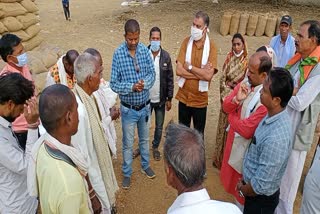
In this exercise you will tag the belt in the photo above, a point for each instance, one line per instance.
(137, 108)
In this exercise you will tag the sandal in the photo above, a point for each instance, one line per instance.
(156, 155)
(136, 153)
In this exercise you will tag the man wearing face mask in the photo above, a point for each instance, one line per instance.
(13, 53)
(196, 65)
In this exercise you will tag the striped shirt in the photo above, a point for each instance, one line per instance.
(267, 156)
(124, 73)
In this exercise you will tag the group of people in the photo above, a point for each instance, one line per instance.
(60, 151)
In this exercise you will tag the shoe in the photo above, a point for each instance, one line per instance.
(126, 182)
(156, 154)
(149, 173)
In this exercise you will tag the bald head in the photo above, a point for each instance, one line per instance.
(184, 152)
(262, 59)
(71, 56)
(55, 101)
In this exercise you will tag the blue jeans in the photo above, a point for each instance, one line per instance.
(159, 115)
(131, 119)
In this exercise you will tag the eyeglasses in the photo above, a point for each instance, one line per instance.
(135, 63)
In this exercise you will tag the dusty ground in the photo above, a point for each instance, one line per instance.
(99, 24)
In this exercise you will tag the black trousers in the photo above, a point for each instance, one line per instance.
(66, 11)
(198, 115)
(22, 139)
(261, 204)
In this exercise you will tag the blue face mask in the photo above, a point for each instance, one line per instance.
(22, 60)
(155, 46)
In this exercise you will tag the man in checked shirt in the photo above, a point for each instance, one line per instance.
(132, 75)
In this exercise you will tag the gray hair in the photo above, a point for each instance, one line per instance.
(93, 52)
(84, 66)
(204, 17)
(184, 151)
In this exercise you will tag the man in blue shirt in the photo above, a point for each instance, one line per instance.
(132, 76)
(267, 155)
(283, 44)
(66, 10)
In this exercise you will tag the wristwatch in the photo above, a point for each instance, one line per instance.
(189, 68)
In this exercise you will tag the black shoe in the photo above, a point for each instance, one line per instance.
(149, 173)
(126, 182)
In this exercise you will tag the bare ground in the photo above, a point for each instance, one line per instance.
(99, 24)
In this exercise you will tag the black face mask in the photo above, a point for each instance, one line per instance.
(9, 118)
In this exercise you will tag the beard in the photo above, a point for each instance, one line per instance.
(9, 118)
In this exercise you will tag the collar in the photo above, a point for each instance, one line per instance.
(138, 50)
(190, 198)
(257, 88)
(5, 123)
(274, 118)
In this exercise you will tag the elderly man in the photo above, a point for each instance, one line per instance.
(15, 95)
(57, 170)
(90, 138)
(268, 153)
(196, 65)
(185, 163)
(283, 44)
(303, 108)
(63, 72)
(13, 53)
(132, 76)
(244, 111)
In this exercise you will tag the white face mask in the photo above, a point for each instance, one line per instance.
(239, 54)
(196, 34)
(22, 60)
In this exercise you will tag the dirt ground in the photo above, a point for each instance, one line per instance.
(99, 24)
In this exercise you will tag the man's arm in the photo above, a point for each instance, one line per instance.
(247, 127)
(306, 94)
(151, 74)
(229, 105)
(170, 84)
(182, 72)
(116, 82)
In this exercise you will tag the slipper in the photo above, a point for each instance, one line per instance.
(156, 155)
(136, 153)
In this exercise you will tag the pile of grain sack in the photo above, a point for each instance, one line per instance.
(21, 17)
(250, 24)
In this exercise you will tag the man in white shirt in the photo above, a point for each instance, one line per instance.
(185, 163)
(283, 44)
(15, 99)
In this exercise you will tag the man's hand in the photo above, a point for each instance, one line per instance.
(114, 113)
(243, 92)
(138, 86)
(208, 66)
(31, 111)
(168, 105)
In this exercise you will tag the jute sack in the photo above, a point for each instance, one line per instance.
(3, 28)
(12, 9)
(35, 64)
(243, 23)
(270, 26)
(33, 30)
(22, 35)
(28, 20)
(278, 25)
(12, 24)
(32, 43)
(49, 59)
(30, 6)
(261, 25)
(45, 47)
(225, 23)
(252, 24)
(40, 81)
(1, 11)
(234, 25)
(10, 1)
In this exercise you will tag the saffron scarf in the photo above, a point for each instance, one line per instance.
(306, 65)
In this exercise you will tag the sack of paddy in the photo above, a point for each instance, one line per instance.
(33, 30)
(225, 23)
(35, 64)
(234, 25)
(30, 6)
(243, 23)
(22, 35)
(270, 26)
(28, 20)
(32, 43)
(278, 25)
(261, 25)
(12, 24)
(49, 59)
(12, 9)
(1, 11)
(45, 47)
(10, 1)
(40, 81)
(3, 28)
(252, 24)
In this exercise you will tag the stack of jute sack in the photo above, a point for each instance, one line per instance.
(21, 17)
(250, 23)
